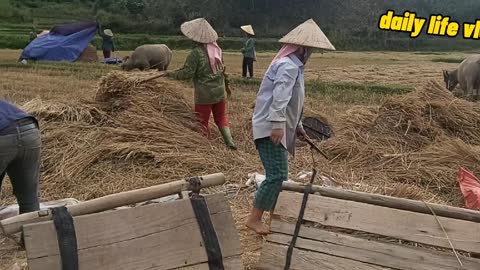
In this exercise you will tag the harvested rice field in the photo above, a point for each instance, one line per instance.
(397, 131)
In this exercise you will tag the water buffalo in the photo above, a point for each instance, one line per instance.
(149, 56)
(467, 76)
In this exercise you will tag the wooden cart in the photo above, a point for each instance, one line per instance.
(345, 230)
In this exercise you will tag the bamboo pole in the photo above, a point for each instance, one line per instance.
(14, 224)
(391, 202)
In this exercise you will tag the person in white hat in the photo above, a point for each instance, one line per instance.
(276, 121)
(108, 45)
(204, 65)
(248, 51)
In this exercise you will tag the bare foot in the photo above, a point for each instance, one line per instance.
(258, 227)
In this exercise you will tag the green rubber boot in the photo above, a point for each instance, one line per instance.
(227, 137)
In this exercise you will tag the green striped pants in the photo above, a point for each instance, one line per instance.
(275, 161)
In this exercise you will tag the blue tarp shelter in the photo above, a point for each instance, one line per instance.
(65, 42)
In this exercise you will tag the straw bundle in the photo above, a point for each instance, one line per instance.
(62, 112)
(89, 55)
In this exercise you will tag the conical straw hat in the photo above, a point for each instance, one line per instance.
(308, 34)
(248, 29)
(108, 32)
(199, 30)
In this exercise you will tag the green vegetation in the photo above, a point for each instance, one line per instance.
(82, 71)
(430, 53)
(341, 92)
(349, 24)
(448, 59)
(338, 92)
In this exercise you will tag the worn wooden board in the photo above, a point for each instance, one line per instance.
(388, 201)
(273, 257)
(229, 263)
(400, 224)
(368, 251)
(150, 237)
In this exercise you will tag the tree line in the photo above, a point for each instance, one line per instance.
(347, 22)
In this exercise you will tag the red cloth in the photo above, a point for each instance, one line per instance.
(219, 111)
(470, 187)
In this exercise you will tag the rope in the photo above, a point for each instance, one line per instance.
(209, 235)
(66, 237)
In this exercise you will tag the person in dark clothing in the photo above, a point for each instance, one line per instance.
(20, 144)
(108, 45)
(248, 51)
(33, 35)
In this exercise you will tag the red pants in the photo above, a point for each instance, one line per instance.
(219, 115)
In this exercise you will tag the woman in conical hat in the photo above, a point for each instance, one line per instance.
(276, 121)
(248, 51)
(108, 45)
(204, 65)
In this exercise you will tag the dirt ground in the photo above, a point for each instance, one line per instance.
(64, 82)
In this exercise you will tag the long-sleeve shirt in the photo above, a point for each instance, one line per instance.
(209, 87)
(249, 48)
(107, 41)
(279, 103)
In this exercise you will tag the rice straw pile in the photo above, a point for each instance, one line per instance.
(132, 135)
(419, 139)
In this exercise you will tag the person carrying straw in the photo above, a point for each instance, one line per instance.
(204, 65)
(276, 120)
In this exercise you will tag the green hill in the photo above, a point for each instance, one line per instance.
(349, 24)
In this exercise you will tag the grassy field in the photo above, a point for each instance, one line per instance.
(335, 83)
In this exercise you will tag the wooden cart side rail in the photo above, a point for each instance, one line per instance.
(391, 202)
(14, 224)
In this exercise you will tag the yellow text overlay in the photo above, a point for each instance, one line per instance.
(437, 25)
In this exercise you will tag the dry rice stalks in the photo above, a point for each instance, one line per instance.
(421, 139)
(151, 136)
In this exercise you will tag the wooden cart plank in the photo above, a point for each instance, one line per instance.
(232, 263)
(162, 236)
(122, 225)
(369, 251)
(274, 256)
(400, 224)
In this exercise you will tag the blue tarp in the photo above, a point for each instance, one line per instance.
(63, 43)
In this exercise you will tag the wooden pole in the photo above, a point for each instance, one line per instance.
(391, 202)
(163, 74)
(14, 224)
